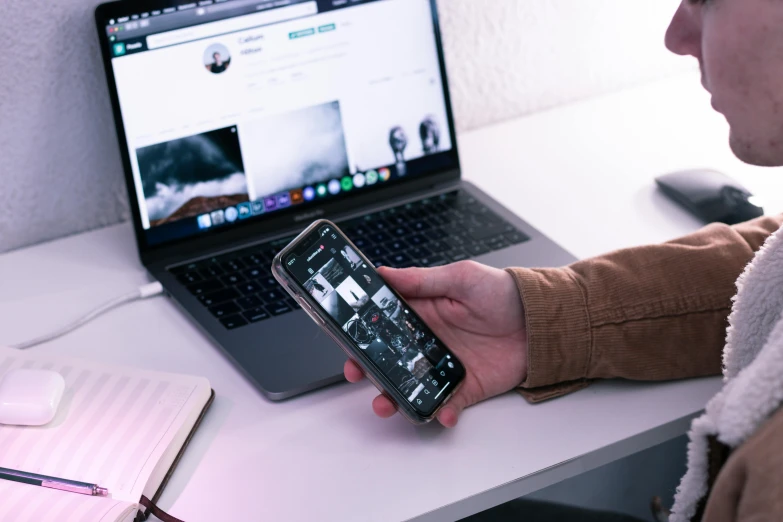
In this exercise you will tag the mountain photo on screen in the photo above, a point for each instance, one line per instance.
(193, 175)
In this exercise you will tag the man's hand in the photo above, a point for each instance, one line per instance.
(476, 311)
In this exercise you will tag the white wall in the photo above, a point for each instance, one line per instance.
(508, 58)
(59, 159)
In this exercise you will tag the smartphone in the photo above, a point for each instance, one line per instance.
(343, 293)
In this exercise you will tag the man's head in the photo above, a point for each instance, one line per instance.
(739, 45)
(218, 59)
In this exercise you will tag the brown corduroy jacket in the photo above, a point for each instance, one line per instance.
(655, 313)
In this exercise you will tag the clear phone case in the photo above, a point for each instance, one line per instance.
(321, 318)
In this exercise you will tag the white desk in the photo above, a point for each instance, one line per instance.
(583, 174)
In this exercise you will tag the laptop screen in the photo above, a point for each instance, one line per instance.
(233, 111)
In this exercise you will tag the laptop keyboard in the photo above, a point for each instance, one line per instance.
(239, 289)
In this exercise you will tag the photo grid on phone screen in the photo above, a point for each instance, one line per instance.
(356, 297)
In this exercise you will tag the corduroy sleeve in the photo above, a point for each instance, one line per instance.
(648, 313)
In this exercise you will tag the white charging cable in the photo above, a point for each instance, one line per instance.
(143, 292)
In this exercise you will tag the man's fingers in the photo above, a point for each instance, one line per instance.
(383, 407)
(449, 415)
(352, 372)
(425, 282)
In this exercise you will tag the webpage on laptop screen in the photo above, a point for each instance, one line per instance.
(240, 117)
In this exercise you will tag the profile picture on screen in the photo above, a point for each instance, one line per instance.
(217, 58)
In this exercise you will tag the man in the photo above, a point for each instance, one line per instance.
(657, 312)
(218, 65)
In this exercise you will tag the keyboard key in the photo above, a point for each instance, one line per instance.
(438, 246)
(360, 242)
(293, 304)
(457, 226)
(249, 302)
(381, 262)
(179, 270)
(254, 273)
(265, 257)
(234, 321)
(256, 314)
(436, 220)
(400, 231)
(398, 245)
(278, 308)
(268, 283)
(380, 237)
(417, 240)
(254, 260)
(436, 234)
(232, 279)
(376, 251)
(476, 249)
(270, 296)
(434, 261)
(454, 242)
(496, 243)
(419, 226)
(356, 231)
(419, 252)
(221, 296)
(191, 277)
(211, 270)
(224, 310)
(376, 224)
(438, 208)
(205, 287)
(414, 214)
(400, 259)
(516, 237)
(484, 232)
(465, 200)
(482, 211)
(235, 265)
(397, 219)
(248, 288)
(456, 255)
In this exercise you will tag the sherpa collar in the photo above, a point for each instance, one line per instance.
(753, 373)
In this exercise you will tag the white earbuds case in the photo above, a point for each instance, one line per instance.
(30, 397)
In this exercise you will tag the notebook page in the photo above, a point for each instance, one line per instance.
(24, 503)
(112, 427)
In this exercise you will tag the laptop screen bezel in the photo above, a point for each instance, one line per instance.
(290, 218)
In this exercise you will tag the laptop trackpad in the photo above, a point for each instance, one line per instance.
(287, 355)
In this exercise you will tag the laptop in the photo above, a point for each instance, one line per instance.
(242, 121)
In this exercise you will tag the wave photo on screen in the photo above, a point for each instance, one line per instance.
(192, 175)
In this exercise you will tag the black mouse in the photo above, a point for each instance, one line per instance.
(710, 195)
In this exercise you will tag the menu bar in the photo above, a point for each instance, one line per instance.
(136, 25)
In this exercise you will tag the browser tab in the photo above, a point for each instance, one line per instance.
(212, 29)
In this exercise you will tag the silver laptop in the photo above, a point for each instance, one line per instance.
(240, 122)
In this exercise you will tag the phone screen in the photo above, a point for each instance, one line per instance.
(389, 334)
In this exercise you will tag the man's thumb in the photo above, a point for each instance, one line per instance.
(421, 282)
